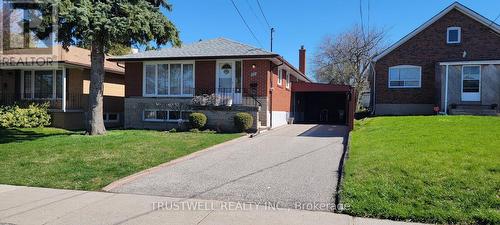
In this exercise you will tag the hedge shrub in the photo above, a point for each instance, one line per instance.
(35, 115)
(197, 120)
(243, 121)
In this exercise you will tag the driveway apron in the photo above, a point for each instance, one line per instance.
(294, 166)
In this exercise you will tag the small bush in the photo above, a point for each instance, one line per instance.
(208, 131)
(243, 121)
(194, 130)
(35, 115)
(197, 120)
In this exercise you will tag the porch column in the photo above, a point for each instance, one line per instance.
(446, 91)
(64, 90)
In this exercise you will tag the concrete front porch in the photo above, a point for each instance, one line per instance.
(469, 87)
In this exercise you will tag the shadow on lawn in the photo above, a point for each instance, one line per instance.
(8, 135)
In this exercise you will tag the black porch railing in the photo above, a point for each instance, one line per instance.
(235, 96)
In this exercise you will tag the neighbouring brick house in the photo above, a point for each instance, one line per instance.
(452, 62)
(160, 85)
(63, 82)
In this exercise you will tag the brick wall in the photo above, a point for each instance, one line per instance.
(133, 79)
(259, 75)
(282, 96)
(205, 76)
(429, 47)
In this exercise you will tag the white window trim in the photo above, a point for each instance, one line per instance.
(280, 76)
(156, 63)
(107, 120)
(168, 115)
(448, 35)
(287, 80)
(401, 67)
(54, 83)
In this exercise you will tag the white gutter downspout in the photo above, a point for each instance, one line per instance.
(446, 92)
(374, 85)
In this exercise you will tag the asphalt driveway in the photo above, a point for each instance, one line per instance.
(294, 166)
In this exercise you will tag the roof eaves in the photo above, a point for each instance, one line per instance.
(120, 59)
(107, 69)
(293, 68)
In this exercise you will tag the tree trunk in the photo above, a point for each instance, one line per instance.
(95, 123)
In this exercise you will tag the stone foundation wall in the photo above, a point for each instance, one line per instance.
(264, 111)
(218, 118)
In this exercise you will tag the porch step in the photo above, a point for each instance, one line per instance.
(473, 106)
(474, 111)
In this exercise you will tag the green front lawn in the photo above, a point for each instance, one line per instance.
(438, 169)
(49, 157)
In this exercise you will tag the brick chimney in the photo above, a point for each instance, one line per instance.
(302, 59)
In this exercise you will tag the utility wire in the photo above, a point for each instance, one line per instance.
(496, 18)
(361, 15)
(368, 24)
(256, 17)
(246, 24)
(493, 22)
(262, 12)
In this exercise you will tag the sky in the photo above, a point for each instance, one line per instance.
(306, 22)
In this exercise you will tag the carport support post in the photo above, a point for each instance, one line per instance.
(294, 105)
(352, 107)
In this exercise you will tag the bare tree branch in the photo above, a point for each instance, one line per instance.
(345, 58)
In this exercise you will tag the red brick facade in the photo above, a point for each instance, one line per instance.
(254, 72)
(258, 75)
(133, 79)
(205, 76)
(282, 96)
(428, 48)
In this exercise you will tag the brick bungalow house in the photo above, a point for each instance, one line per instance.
(160, 86)
(452, 62)
(63, 81)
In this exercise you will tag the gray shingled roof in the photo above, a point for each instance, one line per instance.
(218, 47)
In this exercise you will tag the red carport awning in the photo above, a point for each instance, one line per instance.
(319, 87)
(350, 95)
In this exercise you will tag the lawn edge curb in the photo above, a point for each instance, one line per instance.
(132, 177)
(340, 172)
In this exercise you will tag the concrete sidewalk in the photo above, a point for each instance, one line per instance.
(30, 205)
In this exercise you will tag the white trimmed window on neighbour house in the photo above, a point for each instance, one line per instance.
(111, 117)
(405, 76)
(168, 79)
(41, 84)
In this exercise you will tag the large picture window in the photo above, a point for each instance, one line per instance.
(41, 84)
(405, 76)
(168, 79)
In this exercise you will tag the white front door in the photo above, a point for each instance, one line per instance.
(471, 83)
(226, 79)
